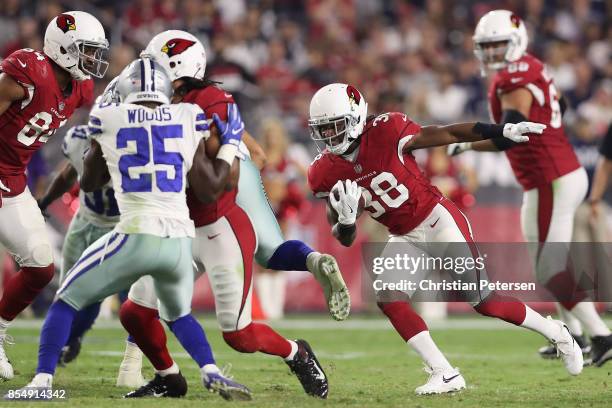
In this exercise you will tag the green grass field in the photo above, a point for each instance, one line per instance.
(367, 364)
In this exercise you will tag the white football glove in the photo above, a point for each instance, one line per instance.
(516, 131)
(347, 202)
(458, 148)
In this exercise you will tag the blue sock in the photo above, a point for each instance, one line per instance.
(191, 336)
(290, 256)
(131, 339)
(83, 321)
(54, 334)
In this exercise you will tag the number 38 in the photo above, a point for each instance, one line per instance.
(383, 185)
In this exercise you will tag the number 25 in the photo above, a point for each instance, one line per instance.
(144, 181)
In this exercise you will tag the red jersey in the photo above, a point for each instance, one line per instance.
(545, 157)
(29, 123)
(212, 100)
(397, 193)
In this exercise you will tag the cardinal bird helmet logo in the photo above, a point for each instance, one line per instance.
(66, 22)
(516, 21)
(353, 95)
(176, 46)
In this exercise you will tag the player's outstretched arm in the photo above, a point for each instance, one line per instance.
(431, 136)
(61, 183)
(515, 109)
(95, 171)
(10, 91)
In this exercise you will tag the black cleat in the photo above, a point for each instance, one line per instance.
(601, 349)
(550, 351)
(308, 370)
(171, 385)
(70, 351)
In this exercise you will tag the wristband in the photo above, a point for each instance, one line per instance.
(345, 227)
(227, 153)
(488, 130)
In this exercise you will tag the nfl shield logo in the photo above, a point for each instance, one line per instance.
(358, 168)
(61, 106)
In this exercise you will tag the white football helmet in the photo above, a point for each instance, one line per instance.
(143, 80)
(180, 53)
(75, 41)
(337, 116)
(499, 26)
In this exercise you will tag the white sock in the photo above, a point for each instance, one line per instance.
(425, 347)
(4, 324)
(538, 323)
(570, 320)
(42, 380)
(173, 369)
(132, 355)
(311, 259)
(588, 316)
(294, 350)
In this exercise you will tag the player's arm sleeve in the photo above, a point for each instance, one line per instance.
(202, 125)
(317, 180)
(95, 123)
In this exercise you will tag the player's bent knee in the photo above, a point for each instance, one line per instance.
(42, 255)
(244, 341)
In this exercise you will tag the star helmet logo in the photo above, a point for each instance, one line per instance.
(354, 96)
(515, 20)
(176, 46)
(65, 22)
(358, 168)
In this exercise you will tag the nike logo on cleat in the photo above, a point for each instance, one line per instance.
(213, 236)
(447, 380)
(21, 63)
(434, 224)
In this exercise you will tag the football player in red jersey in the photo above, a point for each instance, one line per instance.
(372, 159)
(226, 240)
(547, 168)
(39, 91)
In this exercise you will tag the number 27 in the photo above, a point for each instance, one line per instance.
(144, 181)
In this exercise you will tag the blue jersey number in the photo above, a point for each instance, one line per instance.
(143, 183)
(95, 202)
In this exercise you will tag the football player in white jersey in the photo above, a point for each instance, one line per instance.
(149, 149)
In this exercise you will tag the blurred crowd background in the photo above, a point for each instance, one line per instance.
(411, 56)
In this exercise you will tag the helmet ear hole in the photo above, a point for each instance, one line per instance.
(63, 50)
(172, 64)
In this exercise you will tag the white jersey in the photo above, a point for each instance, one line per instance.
(148, 153)
(98, 207)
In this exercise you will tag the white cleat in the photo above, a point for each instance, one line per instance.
(326, 271)
(567, 348)
(40, 388)
(6, 369)
(441, 381)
